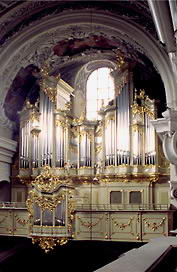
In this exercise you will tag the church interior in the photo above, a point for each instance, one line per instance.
(88, 134)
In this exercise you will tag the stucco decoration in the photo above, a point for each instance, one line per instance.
(166, 128)
(36, 44)
(43, 47)
(24, 14)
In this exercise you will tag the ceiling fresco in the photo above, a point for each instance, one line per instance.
(77, 45)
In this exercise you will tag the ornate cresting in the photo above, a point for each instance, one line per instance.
(50, 210)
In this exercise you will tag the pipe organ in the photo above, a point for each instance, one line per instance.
(71, 161)
(127, 136)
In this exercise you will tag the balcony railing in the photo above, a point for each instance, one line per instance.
(121, 207)
(96, 207)
(13, 205)
(50, 231)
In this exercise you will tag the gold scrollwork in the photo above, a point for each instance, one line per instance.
(122, 226)
(88, 224)
(49, 201)
(21, 221)
(35, 132)
(137, 128)
(129, 178)
(48, 243)
(153, 225)
(46, 181)
(44, 202)
(59, 123)
(150, 113)
(136, 109)
(99, 131)
(49, 89)
(98, 148)
(34, 116)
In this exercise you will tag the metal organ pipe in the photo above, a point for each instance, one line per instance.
(115, 129)
(149, 141)
(123, 123)
(85, 149)
(22, 148)
(57, 145)
(35, 150)
(60, 142)
(46, 109)
(27, 144)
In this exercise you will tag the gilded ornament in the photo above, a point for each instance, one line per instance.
(49, 83)
(34, 115)
(98, 148)
(28, 105)
(46, 181)
(43, 201)
(48, 243)
(59, 123)
(122, 226)
(138, 128)
(21, 221)
(153, 225)
(138, 237)
(89, 224)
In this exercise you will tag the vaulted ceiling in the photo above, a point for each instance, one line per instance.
(69, 34)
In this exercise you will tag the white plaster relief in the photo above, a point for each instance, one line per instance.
(25, 48)
(166, 128)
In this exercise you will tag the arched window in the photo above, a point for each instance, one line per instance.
(100, 90)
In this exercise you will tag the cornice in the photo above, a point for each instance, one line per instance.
(7, 149)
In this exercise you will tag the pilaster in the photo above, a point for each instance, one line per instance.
(166, 129)
(7, 150)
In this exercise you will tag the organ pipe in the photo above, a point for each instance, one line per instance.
(123, 125)
(126, 136)
(46, 136)
(60, 143)
(25, 145)
(85, 149)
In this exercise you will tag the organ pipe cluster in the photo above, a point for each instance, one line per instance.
(49, 135)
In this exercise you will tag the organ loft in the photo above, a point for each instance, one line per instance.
(90, 164)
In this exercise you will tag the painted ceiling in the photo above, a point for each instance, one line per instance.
(67, 54)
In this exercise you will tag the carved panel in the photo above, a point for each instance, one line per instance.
(124, 226)
(14, 222)
(21, 223)
(91, 226)
(6, 222)
(154, 225)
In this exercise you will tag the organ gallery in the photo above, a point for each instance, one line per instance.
(88, 132)
(92, 170)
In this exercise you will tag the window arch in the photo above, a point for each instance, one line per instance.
(100, 90)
